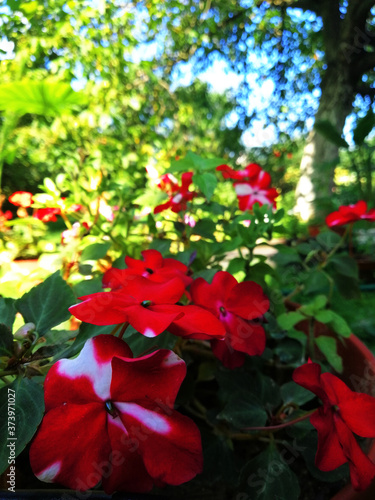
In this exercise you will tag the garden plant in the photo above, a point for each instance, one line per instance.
(162, 351)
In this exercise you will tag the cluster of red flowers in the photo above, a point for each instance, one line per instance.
(147, 293)
(252, 186)
(350, 213)
(136, 438)
(24, 199)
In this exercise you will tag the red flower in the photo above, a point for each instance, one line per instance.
(47, 214)
(168, 183)
(350, 213)
(118, 412)
(7, 215)
(179, 197)
(254, 186)
(236, 305)
(152, 266)
(21, 199)
(343, 412)
(150, 308)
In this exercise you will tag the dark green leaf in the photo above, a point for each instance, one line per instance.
(28, 410)
(329, 131)
(268, 477)
(328, 240)
(205, 228)
(363, 127)
(7, 311)
(241, 412)
(344, 265)
(316, 282)
(294, 393)
(6, 340)
(47, 304)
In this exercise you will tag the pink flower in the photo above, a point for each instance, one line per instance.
(236, 305)
(350, 213)
(178, 197)
(118, 413)
(152, 266)
(254, 186)
(343, 412)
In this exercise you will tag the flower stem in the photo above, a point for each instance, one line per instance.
(282, 426)
(123, 329)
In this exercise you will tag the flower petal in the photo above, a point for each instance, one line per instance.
(358, 413)
(247, 300)
(308, 375)
(329, 455)
(124, 470)
(156, 377)
(244, 336)
(52, 456)
(103, 308)
(169, 443)
(87, 377)
(197, 323)
(362, 470)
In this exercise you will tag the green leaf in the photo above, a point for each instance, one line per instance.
(205, 228)
(46, 305)
(241, 412)
(363, 127)
(328, 240)
(28, 409)
(206, 182)
(329, 131)
(194, 162)
(294, 393)
(312, 308)
(45, 97)
(268, 477)
(345, 265)
(7, 311)
(6, 340)
(288, 320)
(316, 282)
(95, 251)
(328, 347)
(139, 344)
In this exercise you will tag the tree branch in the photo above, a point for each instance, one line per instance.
(358, 11)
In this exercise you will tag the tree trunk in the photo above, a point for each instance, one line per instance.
(320, 156)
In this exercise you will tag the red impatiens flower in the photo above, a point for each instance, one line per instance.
(150, 308)
(254, 186)
(236, 305)
(47, 214)
(350, 213)
(152, 266)
(343, 412)
(22, 199)
(179, 197)
(118, 412)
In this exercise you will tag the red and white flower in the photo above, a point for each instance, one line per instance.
(236, 305)
(111, 418)
(180, 195)
(350, 213)
(254, 186)
(22, 199)
(343, 413)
